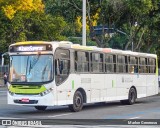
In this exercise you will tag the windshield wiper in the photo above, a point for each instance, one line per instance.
(33, 63)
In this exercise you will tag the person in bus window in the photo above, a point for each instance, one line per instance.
(135, 69)
(132, 69)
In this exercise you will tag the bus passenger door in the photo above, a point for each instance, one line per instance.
(62, 69)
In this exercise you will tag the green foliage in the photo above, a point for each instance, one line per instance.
(4, 29)
(78, 40)
(139, 20)
(46, 27)
(118, 41)
(30, 25)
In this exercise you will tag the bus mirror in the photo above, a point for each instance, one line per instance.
(4, 54)
(2, 61)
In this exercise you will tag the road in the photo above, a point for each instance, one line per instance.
(145, 108)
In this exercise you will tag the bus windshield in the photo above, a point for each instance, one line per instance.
(31, 68)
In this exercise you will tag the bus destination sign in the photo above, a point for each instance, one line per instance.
(30, 48)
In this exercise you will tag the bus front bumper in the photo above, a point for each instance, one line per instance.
(31, 100)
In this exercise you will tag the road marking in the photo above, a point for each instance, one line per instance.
(121, 106)
(134, 117)
(129, 105)
(10, 118)
(60, 115)
(138, 104)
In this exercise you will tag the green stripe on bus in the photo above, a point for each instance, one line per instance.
(29, 89)
(113, 83)
(156, 66)
(72, 84)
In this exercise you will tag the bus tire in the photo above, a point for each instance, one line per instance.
(131, 97)
(41, 108)
(77, 102)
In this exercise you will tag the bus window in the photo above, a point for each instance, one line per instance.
(96, 62)
(81, 61)
(101, 63)
(109, 63)
(121, 64)
(152, 65)
(146, 66)
(133, 64)
(115, 62)
(142, 65)
(126, 64)
(62, 65)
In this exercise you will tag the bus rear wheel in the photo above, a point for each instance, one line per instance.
(131, 97)
(77, 102)
(41, 108)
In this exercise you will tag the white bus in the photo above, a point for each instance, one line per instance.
(61, 73)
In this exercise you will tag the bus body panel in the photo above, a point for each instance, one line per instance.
(110, 91)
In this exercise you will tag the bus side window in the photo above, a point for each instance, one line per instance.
(133, 64)
(81, 61)
(152, 65)
(126, 64)
(115, 62)
(135, 69)
(62, 65)
(59, 67)
(108, 63)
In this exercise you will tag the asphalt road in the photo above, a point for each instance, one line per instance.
(145, 108)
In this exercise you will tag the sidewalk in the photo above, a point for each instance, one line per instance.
(2, 84)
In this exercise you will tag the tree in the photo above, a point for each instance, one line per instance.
(23, 20)
(4, 29)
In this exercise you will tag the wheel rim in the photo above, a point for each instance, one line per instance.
(132, 97)
(78, 102)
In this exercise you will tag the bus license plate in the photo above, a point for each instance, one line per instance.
(24, 100)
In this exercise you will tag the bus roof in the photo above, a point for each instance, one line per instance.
(29, 42)
(68, 44)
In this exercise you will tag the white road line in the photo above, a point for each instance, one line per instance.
(60, 115)
(121, 106)
(129, 105)
(134, 117)
(10, 118)
(138, 104)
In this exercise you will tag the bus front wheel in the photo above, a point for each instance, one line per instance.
(77, 102)
(41, 108)
(131, 97)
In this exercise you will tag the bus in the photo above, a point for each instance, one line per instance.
(43, 74)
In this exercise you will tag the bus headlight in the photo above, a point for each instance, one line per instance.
(11, 93)
(46, 92)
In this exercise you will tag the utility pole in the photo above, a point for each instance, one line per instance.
(84, 23)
